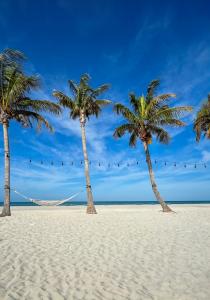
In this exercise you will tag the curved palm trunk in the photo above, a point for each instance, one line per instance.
(164, 206)
(90, 204)
(6, 208)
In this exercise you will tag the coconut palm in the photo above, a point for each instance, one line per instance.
(202, 121)
(82, 105)
(147, 118)
(15, 104)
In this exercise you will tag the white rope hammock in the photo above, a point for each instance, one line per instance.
(46, 202)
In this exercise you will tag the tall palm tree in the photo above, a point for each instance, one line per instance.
(15, 104)
(202, 121)
(82, 105)
(147, 118)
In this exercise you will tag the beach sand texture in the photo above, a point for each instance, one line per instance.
(123, 252)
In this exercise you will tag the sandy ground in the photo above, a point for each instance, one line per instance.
(122, 253)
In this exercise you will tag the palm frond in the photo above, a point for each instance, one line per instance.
(101, 89)
(164, 97)
(202, 121)
(12, 58)
(152, 88)
(13, 54)
(85, 77)
(40, 105)
(133, 139)
(171, 122)
(64, 100)
(102, 102)
(26, 118)
(134, 102)
(125, 112)
(16, 85)
(160, 100)
(197, 128)
(75, 113)
(84, 80)
(172, 112)
(73, 87)
(121, 130)
(92, 108)
(161, 135)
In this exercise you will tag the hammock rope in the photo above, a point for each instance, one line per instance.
(46, 202)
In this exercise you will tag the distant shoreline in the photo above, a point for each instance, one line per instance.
(109, 203)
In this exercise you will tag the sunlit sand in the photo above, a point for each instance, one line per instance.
(123, 252)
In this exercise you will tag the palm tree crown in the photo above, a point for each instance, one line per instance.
(84, 98)
(148, 116)
(15, 102)
(202, 122)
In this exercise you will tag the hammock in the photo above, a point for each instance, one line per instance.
(46, 202)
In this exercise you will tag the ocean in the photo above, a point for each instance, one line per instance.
(83, 203)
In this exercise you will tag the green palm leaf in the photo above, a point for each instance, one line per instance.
(64, 100)
(121, 130)
(15, 101)
(85, 98)
(202, 121)
(152, 88)
(125, 112)
(149, 115)
(26, 118)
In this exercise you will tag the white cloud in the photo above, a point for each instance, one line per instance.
(206, 156)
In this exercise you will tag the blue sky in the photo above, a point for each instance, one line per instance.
(126, 44)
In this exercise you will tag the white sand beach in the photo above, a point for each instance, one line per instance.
(123, 252)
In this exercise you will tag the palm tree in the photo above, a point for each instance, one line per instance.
(202, 121)
(84, 104)
(15, 104)
(147, 118)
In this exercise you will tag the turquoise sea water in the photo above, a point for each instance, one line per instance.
(76, 203)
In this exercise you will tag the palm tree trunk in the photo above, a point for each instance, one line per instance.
(90, 204)
(164, 206)
(6, 208)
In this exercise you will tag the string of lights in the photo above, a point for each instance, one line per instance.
(127, 163)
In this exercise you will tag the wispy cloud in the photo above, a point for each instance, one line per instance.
(185, 72)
